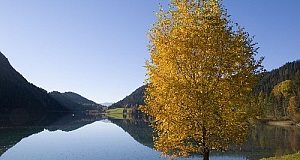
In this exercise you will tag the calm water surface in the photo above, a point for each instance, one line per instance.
(125, 140)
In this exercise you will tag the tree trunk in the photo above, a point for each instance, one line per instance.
(205, 150)
(206, 154)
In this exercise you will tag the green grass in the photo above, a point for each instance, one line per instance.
(295, 156)
(117, 113)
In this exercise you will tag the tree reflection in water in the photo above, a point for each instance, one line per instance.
(264, 140)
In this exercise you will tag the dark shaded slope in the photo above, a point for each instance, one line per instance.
(65, 101)
(75, 102)
(78, 98)
(135, 99)
(22, 103)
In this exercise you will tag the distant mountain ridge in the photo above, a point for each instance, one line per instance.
(107, 104)
(75, 102)
(79, 99)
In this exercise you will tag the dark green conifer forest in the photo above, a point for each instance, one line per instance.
(278, 92)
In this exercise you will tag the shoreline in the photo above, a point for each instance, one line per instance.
(286, 123)
(279, 122)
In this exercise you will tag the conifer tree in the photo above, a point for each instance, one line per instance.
(201, 72)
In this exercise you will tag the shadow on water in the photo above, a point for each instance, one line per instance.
(65, 122)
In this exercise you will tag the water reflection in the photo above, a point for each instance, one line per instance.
(99, 140)
(138, 129)
(264, 140)
(10, 135)
(267, 141)
(92, 137)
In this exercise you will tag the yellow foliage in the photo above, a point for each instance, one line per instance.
(283, 88)
(200, 77)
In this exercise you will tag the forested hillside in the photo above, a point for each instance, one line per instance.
(268, 80)
(22, 102)
(135, 99)
(79, 99)
(75, 102)
(278, 92)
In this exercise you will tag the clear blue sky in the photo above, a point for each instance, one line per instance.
(97, 48)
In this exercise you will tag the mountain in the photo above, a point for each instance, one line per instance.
(135, 99)
(278, 92)
(268, 80)
(21, 102)
(79, 99)
(107, 104)
(75, 102)
(266, 83)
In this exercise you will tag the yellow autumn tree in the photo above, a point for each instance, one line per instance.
(282, 92)
(201, 72)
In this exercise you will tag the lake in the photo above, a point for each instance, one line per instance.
(95, 138)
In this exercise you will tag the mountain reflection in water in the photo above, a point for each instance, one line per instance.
(96, 137)
(11, 135)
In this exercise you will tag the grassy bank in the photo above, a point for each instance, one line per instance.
(117, 113)
(295, 156)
